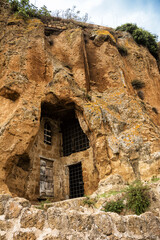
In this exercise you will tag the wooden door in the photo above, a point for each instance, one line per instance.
(46, 178)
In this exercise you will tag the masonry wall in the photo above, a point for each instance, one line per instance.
(54, 153)
(71, 220)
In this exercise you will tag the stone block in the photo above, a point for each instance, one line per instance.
(57, 219)
(80, 222)
(24, 236)
(136, 226)
(153, 224)
(112, 237)
(23, 202)
(102, 223)
(1, 208)
(51, 238)
(3, 200)
(3, 237)
(4, 197)
(13, 210)
(33, 218)
(5, 225)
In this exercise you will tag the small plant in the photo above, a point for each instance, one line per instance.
(122, 50)
(155, 110)
(88, 201)
(137, 84)
(41, 204)
(140, 95)
(137, 197)
(103, 195)
(155, 179)
(114, 206)
(114, 192)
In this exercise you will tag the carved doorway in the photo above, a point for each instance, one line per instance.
(46, 178)
(76, 181)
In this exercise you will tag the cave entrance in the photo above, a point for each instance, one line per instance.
(46, 178)
(76, 180)
(60, 136)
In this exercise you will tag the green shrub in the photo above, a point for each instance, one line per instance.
(137, 84)
(137, 197)
(24, 9)
(142, 37)
(155, 179)
(128, 27)
(114, 206)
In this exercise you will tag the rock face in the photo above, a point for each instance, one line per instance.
(61, 73)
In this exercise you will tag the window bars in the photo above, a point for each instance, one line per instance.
(47, 133)
(74, 139)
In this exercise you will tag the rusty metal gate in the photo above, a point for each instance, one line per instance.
(76, 181)
(46, 178)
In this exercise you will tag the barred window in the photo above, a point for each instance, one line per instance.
(47, 133)
(74, 139)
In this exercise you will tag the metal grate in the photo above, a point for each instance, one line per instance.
(76, 181)
(74, 139)
(47, 134)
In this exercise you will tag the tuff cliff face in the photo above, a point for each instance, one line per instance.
(66, 66)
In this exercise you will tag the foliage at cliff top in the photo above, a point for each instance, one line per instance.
(142, 37)
(24, 9)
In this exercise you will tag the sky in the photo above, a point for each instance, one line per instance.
(113, 13)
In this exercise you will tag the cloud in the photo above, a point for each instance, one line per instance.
(120, 12)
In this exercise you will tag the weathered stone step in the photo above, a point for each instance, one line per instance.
(74, 203)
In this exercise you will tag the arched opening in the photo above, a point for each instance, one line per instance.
(62, 126)
(58, 157)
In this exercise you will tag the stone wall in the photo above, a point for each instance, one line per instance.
(71, 220)
(79, 65)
